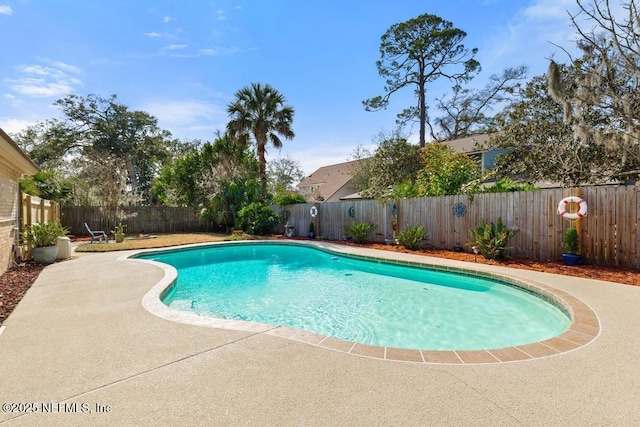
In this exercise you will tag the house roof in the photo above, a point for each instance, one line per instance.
(10, 151)
(328, 180)
(468, 144)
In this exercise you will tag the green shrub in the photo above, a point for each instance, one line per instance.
(412, 237)
(492, 239)
(257, 218)
(570, 244)
(44, 234)
(506, 185)
(287, 198)
(358, 231)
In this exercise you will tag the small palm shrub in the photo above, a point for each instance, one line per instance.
(358, 231)
(492, 239)
(570, 244)
(412, 237)
(257, 218)
(44, 234)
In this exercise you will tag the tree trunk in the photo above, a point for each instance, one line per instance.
(262, 166)
(422, 106)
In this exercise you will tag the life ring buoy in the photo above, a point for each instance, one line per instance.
(562, 208)
(313, 211)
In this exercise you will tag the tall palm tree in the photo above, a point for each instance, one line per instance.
(259, 112)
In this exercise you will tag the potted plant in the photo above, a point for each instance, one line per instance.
(118, 233)
(42, 237)
(571, 247)
(312, 231)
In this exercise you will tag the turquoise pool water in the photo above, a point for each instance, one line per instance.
(356, 300)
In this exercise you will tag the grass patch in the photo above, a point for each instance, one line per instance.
(158, 241)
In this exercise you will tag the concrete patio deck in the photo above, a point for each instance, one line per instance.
(82, 347)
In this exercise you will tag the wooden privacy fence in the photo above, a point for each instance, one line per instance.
(608, 234)
(147, 219)
(37, 210)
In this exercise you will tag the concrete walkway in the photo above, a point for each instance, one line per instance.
(80, 349)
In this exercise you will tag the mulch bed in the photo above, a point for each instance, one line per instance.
(627, 276)
(14, 283)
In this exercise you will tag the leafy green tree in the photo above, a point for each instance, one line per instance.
(604, 82)
(95, 131)
(540, 145)
(218, 180)
(257, 218)
(288, 198)
(259, 113)
(417, 52)
(283, 174)
(395, 160)
(48, 184)
(508, 185)
(228, 196)
(445, 171)
(176, 184)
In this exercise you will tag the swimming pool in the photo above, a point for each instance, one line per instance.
(357, 300)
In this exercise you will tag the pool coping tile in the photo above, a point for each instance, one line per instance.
(441, 357)
(367, 350)
(337, 344)
(509, 354)
(476, 356)
(403, 355)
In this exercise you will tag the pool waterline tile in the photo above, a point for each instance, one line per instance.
(585, 326)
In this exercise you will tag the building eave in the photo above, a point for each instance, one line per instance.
(10, 150)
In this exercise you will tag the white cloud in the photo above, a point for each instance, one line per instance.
(187, 118)
(530, 37)
(549, 9)
(10, 125)
(176, 46)
(104, 61)
(45, 81)
(167, 19)
(208, 52)
(5, 9)
(220, 16)
(40, 88)
(311, 159)
(153, 34)
(68, 68)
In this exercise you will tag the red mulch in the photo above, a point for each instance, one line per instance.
(623, 275)
(627, 276)
(14, 283)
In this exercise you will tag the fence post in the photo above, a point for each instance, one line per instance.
(579, 226)
(26, 209)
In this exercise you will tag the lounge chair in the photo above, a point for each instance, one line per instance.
(97, 235)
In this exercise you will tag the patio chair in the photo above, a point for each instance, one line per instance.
(98, 235)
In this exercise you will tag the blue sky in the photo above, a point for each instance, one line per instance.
(182, 61)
